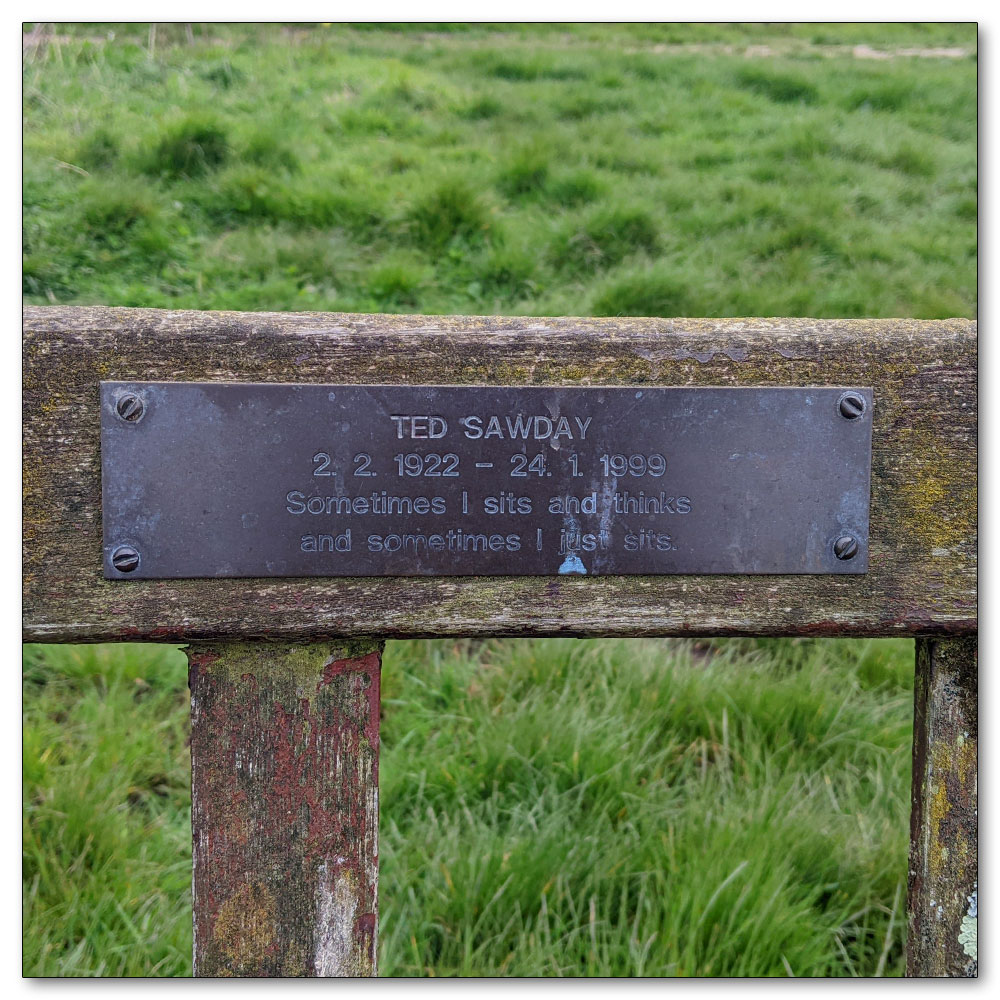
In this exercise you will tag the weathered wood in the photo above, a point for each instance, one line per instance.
(942, 902)
(284, 808)
(922, 579)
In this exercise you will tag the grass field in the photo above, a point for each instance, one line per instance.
(548, 807)
(606, 171)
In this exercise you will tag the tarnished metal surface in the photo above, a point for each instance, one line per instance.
(244, 480)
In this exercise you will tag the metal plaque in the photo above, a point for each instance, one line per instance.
(254, 480)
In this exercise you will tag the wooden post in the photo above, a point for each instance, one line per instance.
(942, 900)
(284, 764)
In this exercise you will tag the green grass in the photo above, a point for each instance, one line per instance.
(106, 812)
(709, 170)
(549, 807)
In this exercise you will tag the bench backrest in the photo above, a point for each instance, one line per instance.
(923, 542)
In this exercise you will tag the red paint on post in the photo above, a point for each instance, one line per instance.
(284, 748)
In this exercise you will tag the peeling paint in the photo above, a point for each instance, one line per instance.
(336, 906)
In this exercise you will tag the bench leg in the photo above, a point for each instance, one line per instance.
(942, 902)
(284, 808)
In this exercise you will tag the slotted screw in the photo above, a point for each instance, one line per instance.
(130, 407)
(852, 405)
(125, 559)
(845, 547)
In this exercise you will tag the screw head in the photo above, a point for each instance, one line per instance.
(851, 405)
(125, 559)
(130, 407)
(845, 547)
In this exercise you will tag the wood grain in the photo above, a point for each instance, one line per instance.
(942, 900)
(922, 579)
(284, 808)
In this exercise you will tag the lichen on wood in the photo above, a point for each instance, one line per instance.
(943, 872)
(284, 755)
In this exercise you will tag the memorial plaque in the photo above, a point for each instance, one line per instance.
(255, 480)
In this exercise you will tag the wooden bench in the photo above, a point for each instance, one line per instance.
(285, 672)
